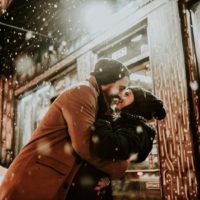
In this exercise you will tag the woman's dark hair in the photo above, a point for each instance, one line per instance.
(145, 104)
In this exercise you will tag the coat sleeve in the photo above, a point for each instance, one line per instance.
(121, 141)
(79, 108)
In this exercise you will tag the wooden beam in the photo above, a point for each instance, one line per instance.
(47, 74)
(1, 112)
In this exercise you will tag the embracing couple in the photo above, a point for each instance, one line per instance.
(79, 147)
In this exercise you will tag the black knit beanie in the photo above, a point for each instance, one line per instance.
(109, 71)
(145, 104)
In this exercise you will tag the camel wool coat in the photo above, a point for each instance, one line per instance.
(46, 166)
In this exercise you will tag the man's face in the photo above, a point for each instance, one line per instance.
(114, 89)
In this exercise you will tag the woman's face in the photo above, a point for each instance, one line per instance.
(126, 97)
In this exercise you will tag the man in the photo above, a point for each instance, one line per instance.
(46, 166)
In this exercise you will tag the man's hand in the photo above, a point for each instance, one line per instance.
(103, 182)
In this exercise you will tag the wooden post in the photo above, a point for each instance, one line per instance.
(177, 167)
(7, 119)
(1, 111)
(192, 75)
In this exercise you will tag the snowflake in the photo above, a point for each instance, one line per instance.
(51, 48)
(29, 35)
(93, 128)
(139, 129)
(95, 139)
(194, 85)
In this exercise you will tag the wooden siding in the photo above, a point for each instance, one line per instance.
(7, 119)
(178, 175)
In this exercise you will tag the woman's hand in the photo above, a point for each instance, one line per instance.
(103, 182)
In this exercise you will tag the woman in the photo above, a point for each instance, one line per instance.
(127, 134)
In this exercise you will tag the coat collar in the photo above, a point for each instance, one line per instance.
(94, 83)
(103, 105)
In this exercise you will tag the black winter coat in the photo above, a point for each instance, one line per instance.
(119, 139)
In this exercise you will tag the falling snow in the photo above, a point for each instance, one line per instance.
(93, 128)
(51, 48)
(95, 139)
(24, 63)
(194, 85)
(63, 43)
(139, 129)
(29, 35)
(49, 34)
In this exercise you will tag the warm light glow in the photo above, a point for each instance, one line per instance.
(97, 16)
